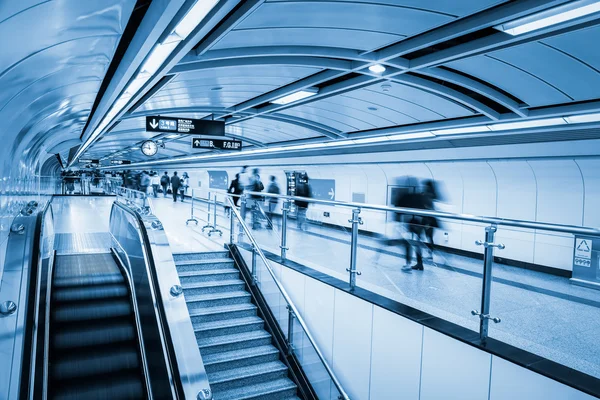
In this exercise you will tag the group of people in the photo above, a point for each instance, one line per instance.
(165, 184)
(245, 181)
(415, 232)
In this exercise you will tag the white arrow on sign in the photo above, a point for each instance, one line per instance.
(331, 194)
(197, 143)
(153, 124)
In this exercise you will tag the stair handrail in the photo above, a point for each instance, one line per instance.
(288, 300)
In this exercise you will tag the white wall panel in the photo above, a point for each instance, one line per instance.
(560, 201)
(511, 382)
(590, 169)
(517, 198)
(453, 370)
(479, 198)
(396, 357)
(318, 313)
(352, 344)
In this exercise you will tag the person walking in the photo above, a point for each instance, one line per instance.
(255, 186)
(235, 188)
(155, 181)
(185, 184)
(244, 182)
(144, 182)
(272, 189)
(175, 185)
(414, 228)
(165, 181)
(302, 190)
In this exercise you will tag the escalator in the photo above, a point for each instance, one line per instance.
(94, 345)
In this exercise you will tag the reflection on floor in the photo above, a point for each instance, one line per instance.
(541, 313)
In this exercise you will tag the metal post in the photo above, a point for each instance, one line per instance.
(488, 262)
(254, 277)
(208, 205)
(284, 217)
(355, 221)
(231, 226)
(291, 318)
(215, 212)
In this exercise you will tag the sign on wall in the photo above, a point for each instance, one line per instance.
(586, 261)
(120, 162)
(323, 189)
(218, 180)
(185, 125)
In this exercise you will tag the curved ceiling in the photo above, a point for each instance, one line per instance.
(446, 67)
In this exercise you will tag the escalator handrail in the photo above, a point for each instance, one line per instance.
(289, 301)
(173, 355)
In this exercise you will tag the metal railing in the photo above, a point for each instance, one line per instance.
(135, 198)
(294, 313)
(488, 243)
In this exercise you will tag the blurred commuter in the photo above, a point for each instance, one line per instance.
(185, 184)
(244, 182)
(155, 181)
(256, 185)
(302, 190)
(175, 185)
(144, 182)
(414, 227)
(272, 189)
(236, 188)
(165, 181)
(430, 195)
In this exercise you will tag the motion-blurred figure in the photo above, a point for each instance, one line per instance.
(144, 182)
(255, 186)
(175, 185)
(430, 195)
(185, 184)
(236, 188)
(272, 189)
(244, 183)
(155, 181)
(165, 181)
(302, 190)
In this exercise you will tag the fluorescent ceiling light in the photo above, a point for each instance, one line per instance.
(191, 20)
(172, 136)
(371, 140)
(158, 56)
(377, 69)
(550, 17)
(134, 148)
(580, 119)
(407, 136)
(299, 95)
(456, 131)
(527, 124)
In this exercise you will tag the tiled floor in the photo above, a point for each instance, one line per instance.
(541, 313)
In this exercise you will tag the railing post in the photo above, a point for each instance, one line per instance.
(215, 211)
(355, 221)
(231, 226)
(208, 205)
(284, 217)
(254, 277)
(488, 262)
(291, 318)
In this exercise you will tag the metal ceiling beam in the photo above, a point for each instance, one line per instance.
(476, 86)
(314, 126)
(297, 61)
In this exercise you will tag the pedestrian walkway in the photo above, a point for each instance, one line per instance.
(541, 313)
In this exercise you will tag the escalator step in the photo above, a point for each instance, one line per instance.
(90, 336)
(117, 359)
(87, 280)
(123, 387)
(81, 312)
(85, 294)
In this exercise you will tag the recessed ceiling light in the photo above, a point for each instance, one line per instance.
(299, 95)
(377, 69)
(373, 108)
(217, 88)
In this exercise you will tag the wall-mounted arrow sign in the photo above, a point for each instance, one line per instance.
(120, 162)
(201, 143)
(185, 125)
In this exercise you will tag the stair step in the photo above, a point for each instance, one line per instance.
(81, 312)
(278, 389)
(209, 314)
(97, 362)
(237, 341)
(85, 294)
(216, 299)
(87, 336)
(121, 387)
(240, 358)
(87, 280)
(204, 265)
(198, 288)
(253, 374)
(209, 275)
(200, 256)
(228, 327)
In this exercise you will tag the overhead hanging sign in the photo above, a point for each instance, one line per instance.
(221, 144)
(89, 161)
(185, 126)
(120, 162)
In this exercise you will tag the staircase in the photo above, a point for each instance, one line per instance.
(241, 362)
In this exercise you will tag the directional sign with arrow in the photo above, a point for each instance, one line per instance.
(185, 126)
(323, 189)
(201, 143)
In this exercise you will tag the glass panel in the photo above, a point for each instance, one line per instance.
(541, 309)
